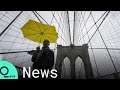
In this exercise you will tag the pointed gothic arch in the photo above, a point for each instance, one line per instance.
(73, 52)
(66, 69)
(79, 68)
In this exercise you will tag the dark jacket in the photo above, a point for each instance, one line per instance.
(34, 57)
(45, 60)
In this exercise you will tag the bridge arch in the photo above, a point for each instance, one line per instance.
(66, 69)
(79, 68)
(73, 52)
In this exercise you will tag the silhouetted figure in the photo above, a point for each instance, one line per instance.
(34, 57)
(33, 51)
(45, 58)
(34, 54)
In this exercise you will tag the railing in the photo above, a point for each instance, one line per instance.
(19, 52)
(13, 52)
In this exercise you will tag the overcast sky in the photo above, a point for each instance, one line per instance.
(13, 40)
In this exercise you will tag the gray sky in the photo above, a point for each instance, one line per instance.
(13, 40)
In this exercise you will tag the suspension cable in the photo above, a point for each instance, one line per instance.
(69, 27)
(41, 16)
(105, 43)
(36, 16)
(11, 23)
(98, 26)
(58, 23)
(94, 24)
(91, 45)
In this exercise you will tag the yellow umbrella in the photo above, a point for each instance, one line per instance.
(38, 32)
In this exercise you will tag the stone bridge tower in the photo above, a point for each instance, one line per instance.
(72, 52)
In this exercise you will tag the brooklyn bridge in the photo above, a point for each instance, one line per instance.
(88, 46)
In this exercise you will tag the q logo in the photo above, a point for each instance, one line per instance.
(7, 70)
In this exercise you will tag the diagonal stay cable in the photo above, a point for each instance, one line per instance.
(76, 30)
(81, 26)
(65, 21)
(36, 16)
(94, 24)
(41, 16)
(106, 45)
(10, 23)
(62, 21)
(98, 26)
(91, 45)
(86, 19)
(49, 27)
(64, 27)
(59, 25)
